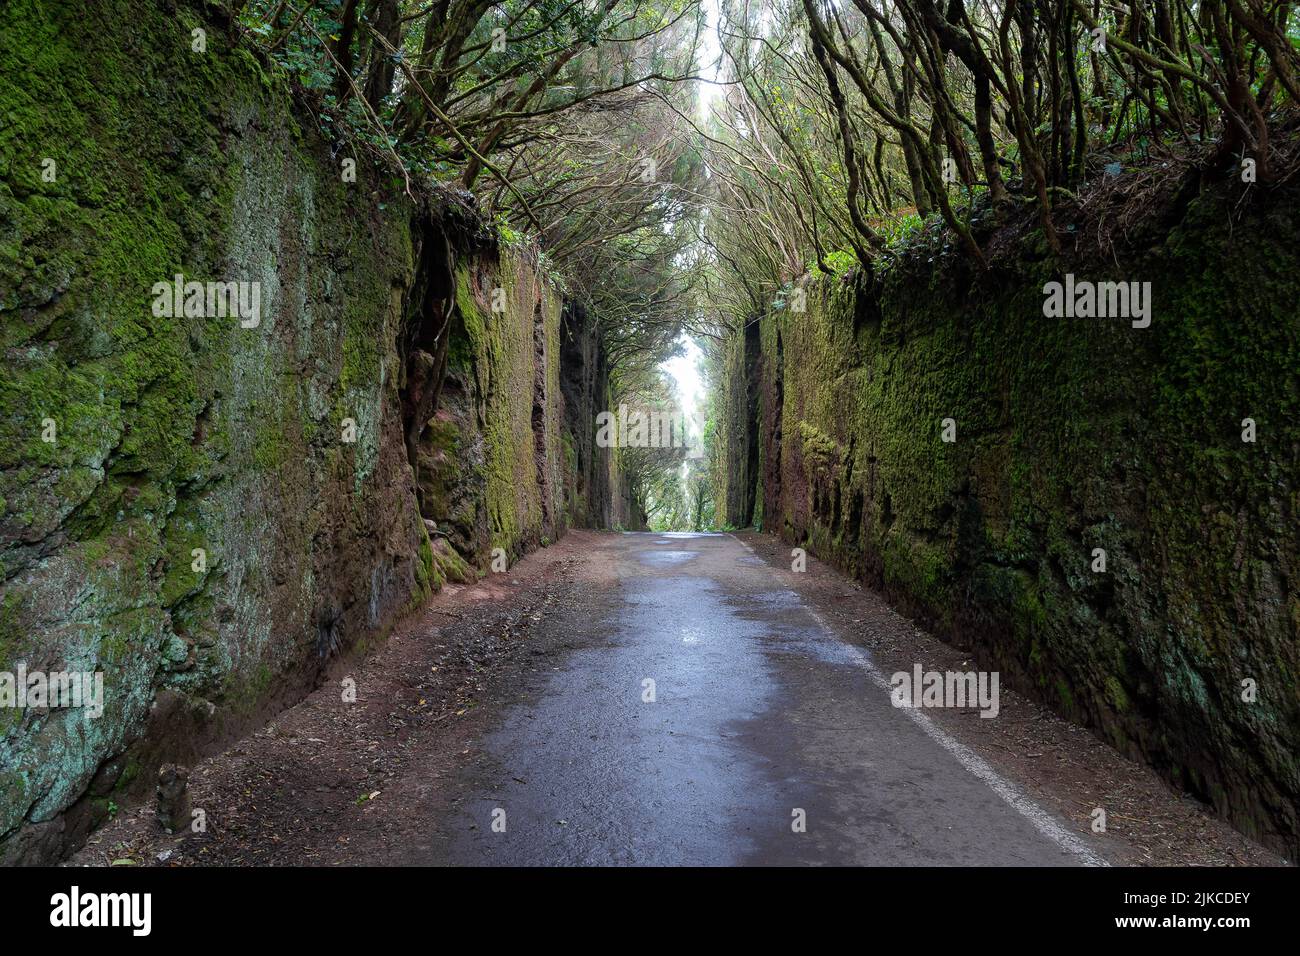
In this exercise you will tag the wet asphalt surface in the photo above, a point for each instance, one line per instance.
(758, 712)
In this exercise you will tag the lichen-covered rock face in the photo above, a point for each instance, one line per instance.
(202, 507)
(226, 500)
(1071, 435)
(491, 459)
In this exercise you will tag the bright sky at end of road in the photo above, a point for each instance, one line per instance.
(685, 371)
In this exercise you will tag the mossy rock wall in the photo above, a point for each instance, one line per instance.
(1072, 435)
(597, 490)
(278, 450)
(493, 458)
(179, 434)
(735, 398)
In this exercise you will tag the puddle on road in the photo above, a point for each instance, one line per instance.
(775, 599)
(663, 559)
(793, 630)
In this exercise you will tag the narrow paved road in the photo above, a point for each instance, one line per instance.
(759, 712)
